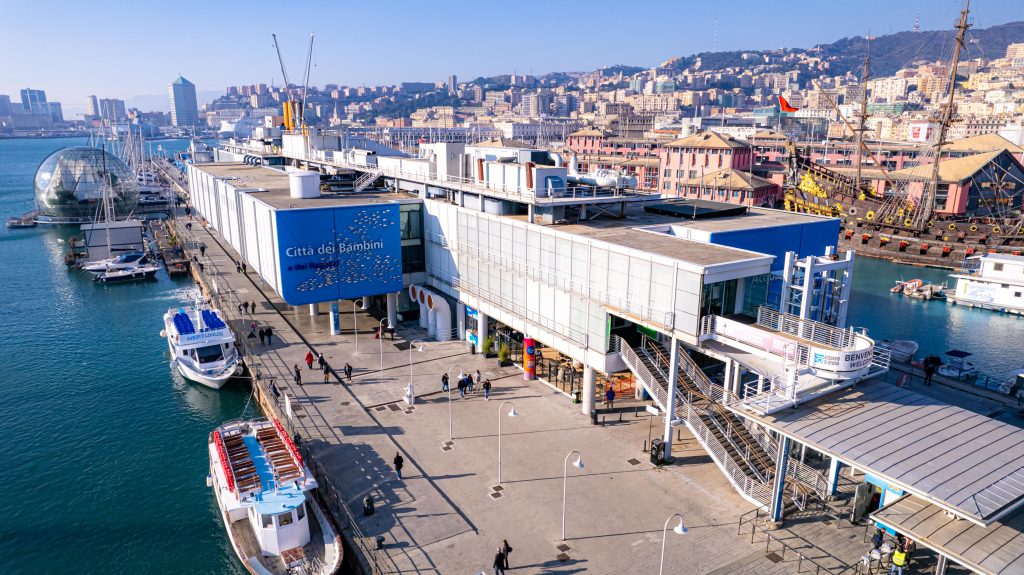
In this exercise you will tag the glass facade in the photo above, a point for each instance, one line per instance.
(71, 183)
(413, 259)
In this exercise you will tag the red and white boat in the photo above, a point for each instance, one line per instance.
(264, 494)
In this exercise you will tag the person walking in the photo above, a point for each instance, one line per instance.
(240, 308)
(245, 306)
(444, 382)
(931, 364)
(327, 372)
(238, 267)
(609, 398)
(348, 372)
(245, 269)
(499, 562)
(188, 226)
(399, 462)
(309, 359)
(320, 361)
(298, 375)
(270, 330)
(462, 387)
(877, 539)
(479, 380)
(487, 389)
(202, 250)
(507, 550)
(252, 306)
(263, 335)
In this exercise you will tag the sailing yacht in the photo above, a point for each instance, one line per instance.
(202, 345)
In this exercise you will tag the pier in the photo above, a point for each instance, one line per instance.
(449, 512)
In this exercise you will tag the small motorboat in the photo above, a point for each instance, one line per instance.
(136, 273)
(903, 286)
(903, 350)
(957, 366)
(26, 221)
(926, 292)
(123, 261)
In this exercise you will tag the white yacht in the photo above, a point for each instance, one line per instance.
(123, 261)
(202, 345)
(991, 281)
(261, 486)
(133, 273)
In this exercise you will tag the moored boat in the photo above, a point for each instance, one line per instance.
(264, 493)
(123, 261)
(202, 345)
(134, 273)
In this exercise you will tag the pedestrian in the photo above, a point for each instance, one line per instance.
(270, 330)
(240, 308)
(499, 562)
(245, 269)
(462, 387)
(507, 550)
(309, 359)
(399, 462)
(479, 379)
(931, 364)
(327, 372)
(202, 250)
(202, 268)
(444, 382)
(252, 325)
(188, 212)
(487, 389)
(877, 539)
(348, 372)
(899, 561)
(263, 335)
(238, 267)
(609, 398)
(470, 382)
(298, 375)
(245, 306)
(320, 361)
(188, 226)
(252, 306)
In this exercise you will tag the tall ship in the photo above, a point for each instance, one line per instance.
(935, 214)
(202, 345)
(264, 493)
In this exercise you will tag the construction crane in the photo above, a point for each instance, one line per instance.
(294, 111)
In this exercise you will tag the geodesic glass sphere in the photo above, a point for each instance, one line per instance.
(70, 183)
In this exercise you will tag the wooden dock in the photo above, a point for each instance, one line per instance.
(168, 248)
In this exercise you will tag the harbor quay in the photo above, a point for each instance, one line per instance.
(768, 418)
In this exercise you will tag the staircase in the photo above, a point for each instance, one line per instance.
(366, 180)
(747, 461)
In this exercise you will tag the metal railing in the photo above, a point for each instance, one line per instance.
(364, 181)
(815, 331)
(746, 519)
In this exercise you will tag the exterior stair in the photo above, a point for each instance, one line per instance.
(366, 180)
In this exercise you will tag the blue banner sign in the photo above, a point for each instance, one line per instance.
(336, 253)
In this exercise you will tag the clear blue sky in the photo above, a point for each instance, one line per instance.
(123, 49)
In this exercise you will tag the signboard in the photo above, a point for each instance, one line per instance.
(472, 338)
(529, 358)
(841, 361)
(200, 337)
(337, 253)
(471, 312)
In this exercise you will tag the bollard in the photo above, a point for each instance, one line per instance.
(800, 562)
(767, 542)
(645, 446)
(679, 434)
(620, 417)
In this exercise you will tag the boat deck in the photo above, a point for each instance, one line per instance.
(249, 547)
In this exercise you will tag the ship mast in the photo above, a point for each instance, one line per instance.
(945, 117)
(863, 111)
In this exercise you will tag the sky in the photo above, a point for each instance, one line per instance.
(125, 49)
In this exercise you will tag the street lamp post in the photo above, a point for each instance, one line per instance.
(451, 437)
(578, 464)
(380, 338)
(678, 530)
(511, 413)
(355, 323)
(410, 394)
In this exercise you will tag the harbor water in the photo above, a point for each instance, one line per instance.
(104, 446)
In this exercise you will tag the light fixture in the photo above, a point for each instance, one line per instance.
(512, 412)
(578, 464)
(680, 529)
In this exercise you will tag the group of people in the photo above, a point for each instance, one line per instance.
(501, 557)
(905, 547)
(322, 366)
(467, 384)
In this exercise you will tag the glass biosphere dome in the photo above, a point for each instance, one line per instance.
(70, 183)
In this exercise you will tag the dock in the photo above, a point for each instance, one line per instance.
(168, 248)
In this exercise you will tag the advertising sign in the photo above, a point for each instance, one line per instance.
(529, 358)
(336, 253)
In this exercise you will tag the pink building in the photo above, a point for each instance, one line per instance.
(693, 157)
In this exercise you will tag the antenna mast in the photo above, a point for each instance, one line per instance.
(946, 116)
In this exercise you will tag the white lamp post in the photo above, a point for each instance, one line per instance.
(449, 373)
(678, 530)
(410, 394)
(578, 464)
(380, 338)
(355, 324)
(511, 413)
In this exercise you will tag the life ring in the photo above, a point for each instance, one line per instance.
(888, 220)
(930, 223)
(952, 227)
(945, 238)
(996, 230)
(870, 215)
(908, 222)
(899, 212)
(974, 228)
(853, 211)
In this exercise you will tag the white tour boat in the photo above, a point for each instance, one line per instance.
(991, 281)
(202, 345)
(263, 490)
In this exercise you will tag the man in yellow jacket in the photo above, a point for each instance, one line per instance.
(899, 561)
